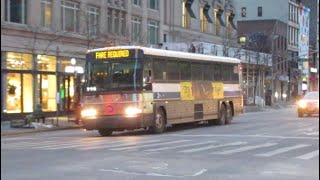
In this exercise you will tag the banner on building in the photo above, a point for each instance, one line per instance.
(303, 40)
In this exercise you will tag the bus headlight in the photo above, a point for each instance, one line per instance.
(132, 111)
(89, 113)
(302, 104)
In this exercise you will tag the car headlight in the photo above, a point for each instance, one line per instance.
(132, 111)
(89, 113)
(302, 104)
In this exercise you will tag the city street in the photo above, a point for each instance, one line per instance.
(273, 144)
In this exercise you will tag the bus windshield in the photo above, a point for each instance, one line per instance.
(114, 75)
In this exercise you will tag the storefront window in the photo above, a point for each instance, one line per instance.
(48, 89)
(66, 66)
(46, 63)
(18, 61)
(13, 93)
(27, 93)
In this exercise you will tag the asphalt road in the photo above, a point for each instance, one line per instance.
(261, 146)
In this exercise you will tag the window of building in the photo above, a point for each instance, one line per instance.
(47, 91)
(116, 21)
(70, 16)
(136, 29)
(243, 12)
(153, 4)
(123, 24)
(15, 11)
(19, 93)
(93, 20)
(229, 25)
(46, 63)
(259, 11)
(203, 21)
(153, 32)
(18, 61)
(217, 22)
(122, 3)
(110, 22)
(46, 13)
(186, 19)
(136, 2)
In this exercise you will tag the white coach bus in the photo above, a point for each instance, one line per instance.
(130, 87)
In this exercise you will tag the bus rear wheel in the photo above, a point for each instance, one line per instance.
(222, 116)
(229, 117)
(105, 132)
(159, 124)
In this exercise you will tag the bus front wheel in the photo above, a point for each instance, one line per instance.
(160, 122)
(105, 132)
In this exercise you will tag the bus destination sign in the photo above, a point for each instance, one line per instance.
(112, 54)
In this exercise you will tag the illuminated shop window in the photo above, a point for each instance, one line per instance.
(19, 61)
(27, 90)
(19, 96)
(46, 63)
(47, 91)
(13, 94)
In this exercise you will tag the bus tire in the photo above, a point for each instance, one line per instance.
(229, 117)
(222, 116)
(105, 132)
(160, 122)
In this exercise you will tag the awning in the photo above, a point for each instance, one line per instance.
(206, 14)
(189, 9)
(231, 17)
(219, 17)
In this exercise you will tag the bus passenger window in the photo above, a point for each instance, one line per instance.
(185, 71)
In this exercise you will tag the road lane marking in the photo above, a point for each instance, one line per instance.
(245, 148)
(282, 150)
(241, 135)
(29, 144)
(147, 145)
(179, 146)
(119, 145)
(309, 155)
(212, 147)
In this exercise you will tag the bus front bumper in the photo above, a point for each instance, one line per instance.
(117, 122)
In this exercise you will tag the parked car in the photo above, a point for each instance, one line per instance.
(309, 104)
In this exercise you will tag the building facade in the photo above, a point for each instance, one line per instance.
(40, 37)
(313, 56)
(276, 22)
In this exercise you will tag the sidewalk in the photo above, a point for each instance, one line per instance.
(278, 105)
(61, 123)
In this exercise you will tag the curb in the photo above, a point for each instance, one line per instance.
(38, 131)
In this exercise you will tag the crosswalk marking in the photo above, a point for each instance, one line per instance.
(147, 145)
(61, 144)
(282, 150)
(309, 155)
(119, 145)
(245, 148)
(80, 144)
(179, 146)
(211, 147)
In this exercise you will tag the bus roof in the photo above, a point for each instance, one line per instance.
(170, 53)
